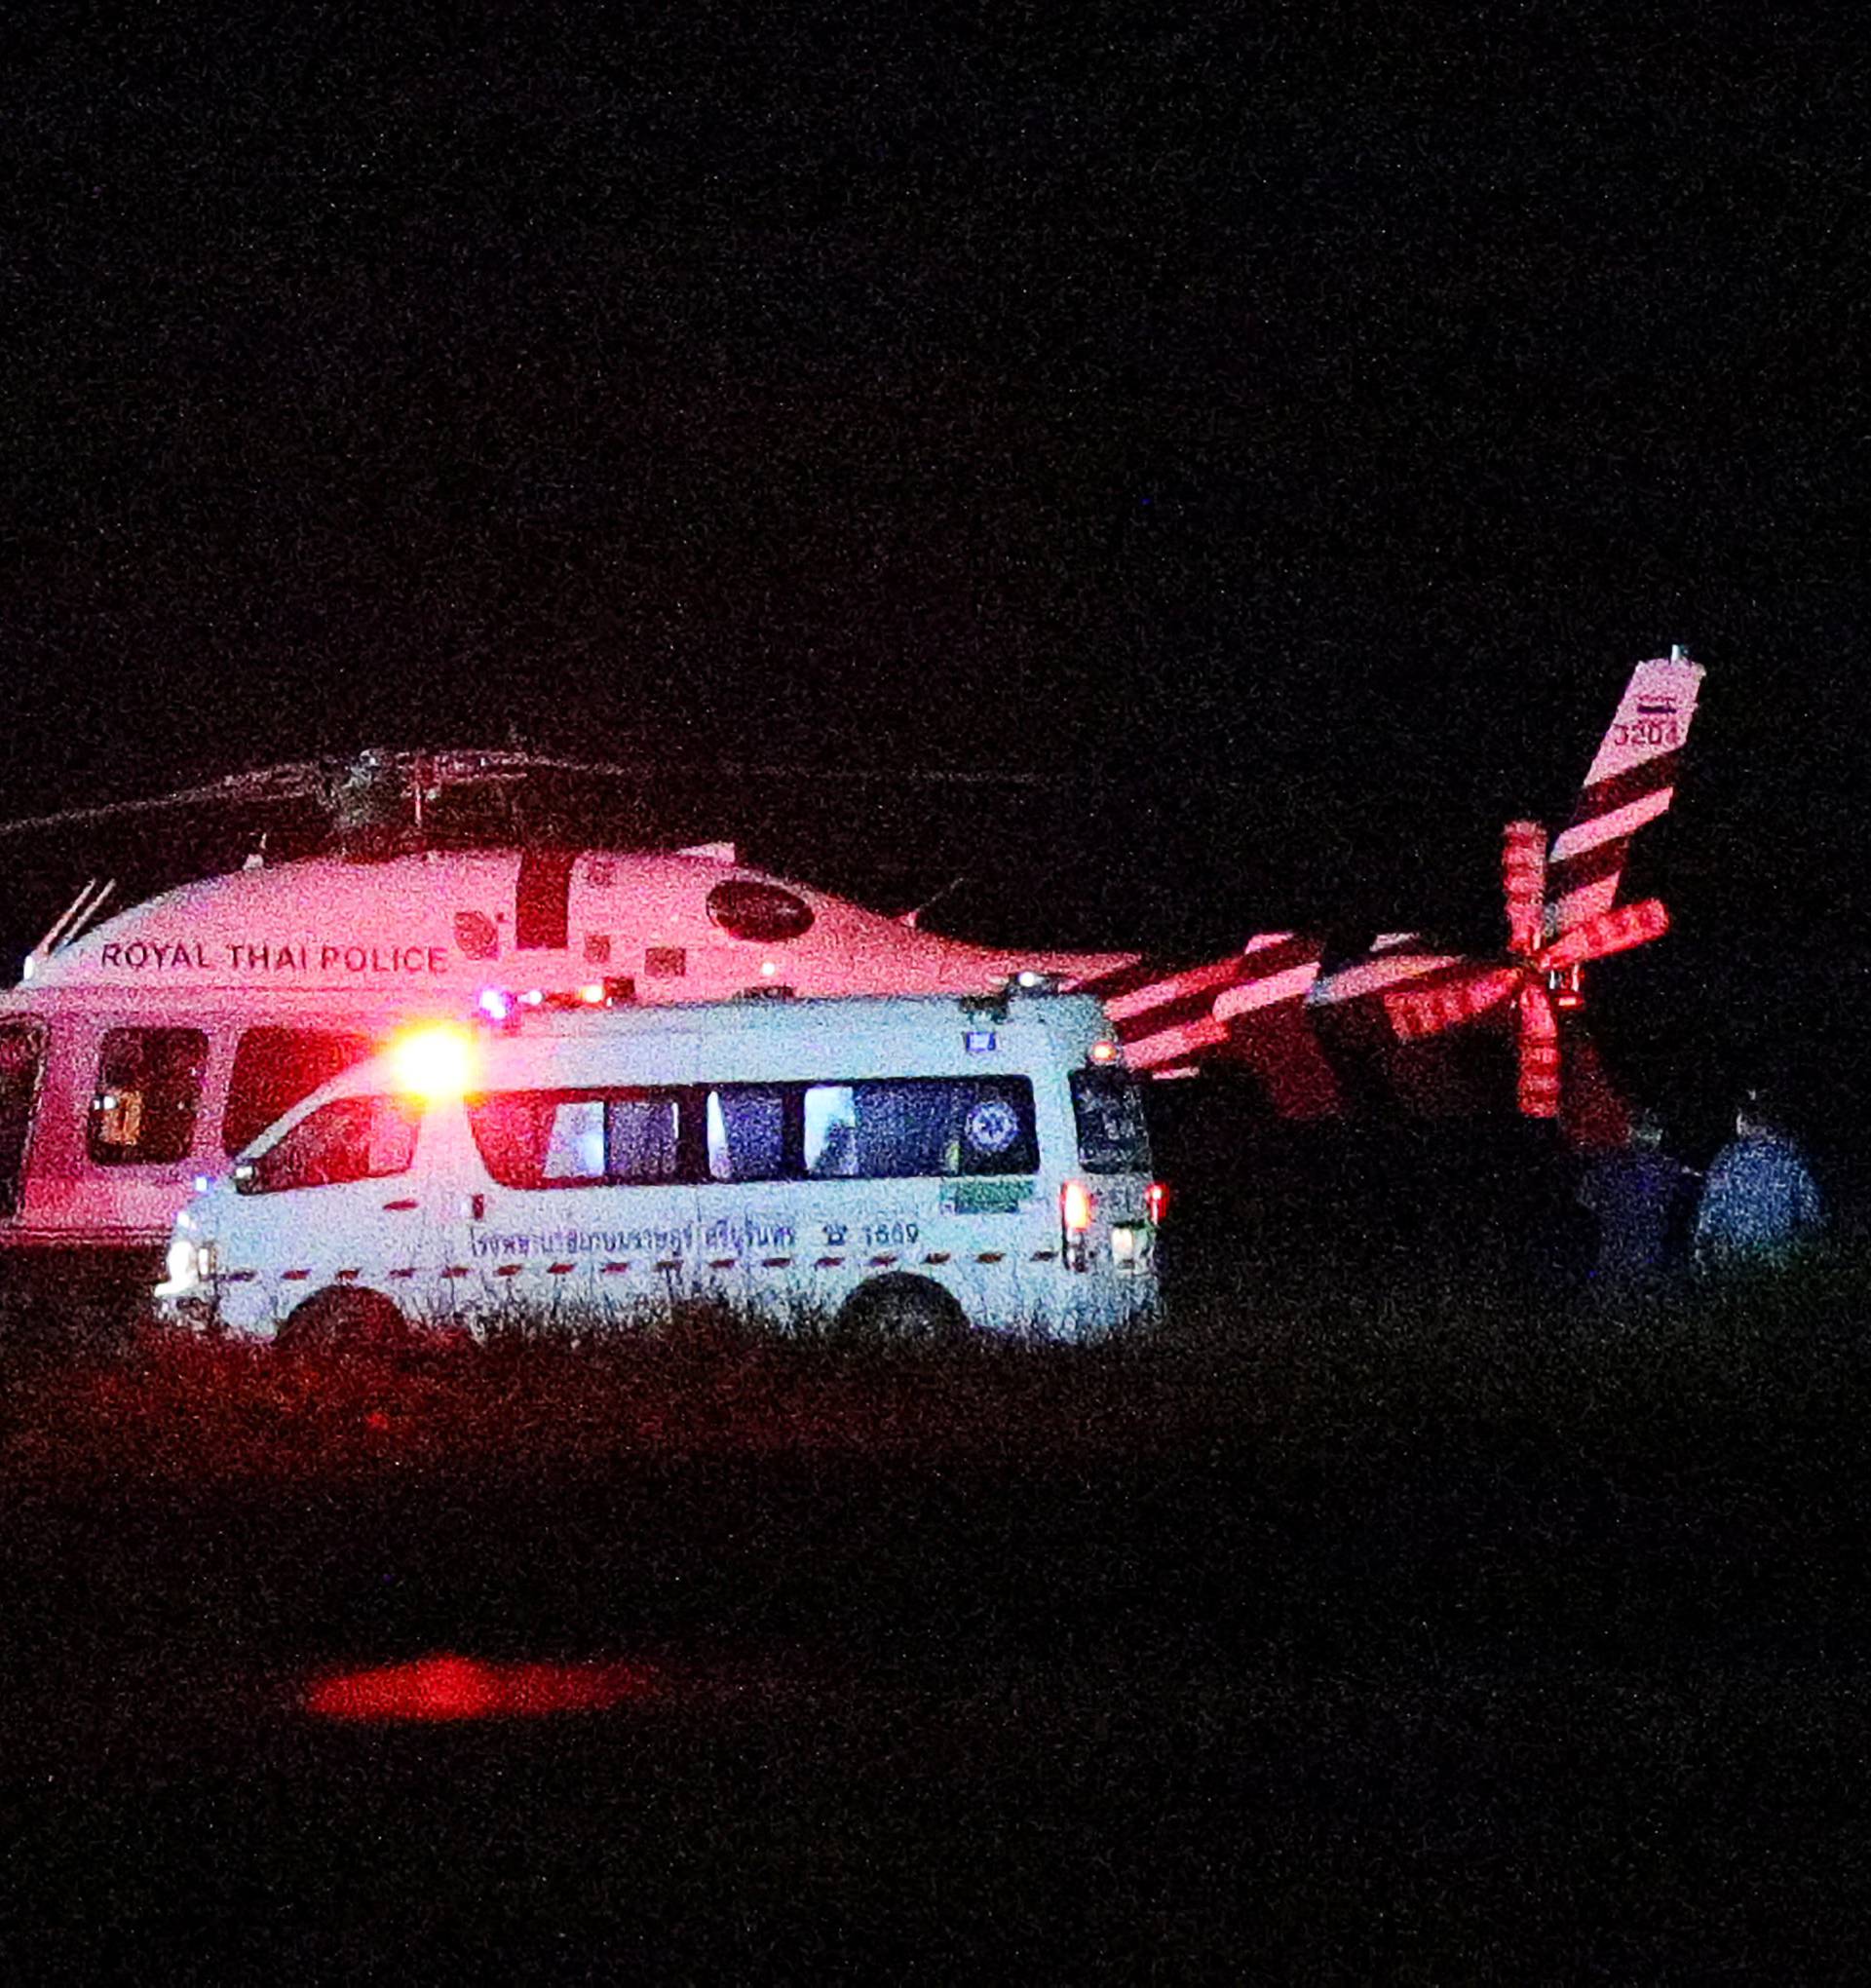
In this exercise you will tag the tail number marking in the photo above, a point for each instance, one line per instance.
(1661, 732)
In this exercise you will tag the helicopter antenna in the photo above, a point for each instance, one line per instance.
(78, 914)
(913, 918)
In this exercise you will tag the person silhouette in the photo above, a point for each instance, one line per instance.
(1759, 1203)
(1641, 1197)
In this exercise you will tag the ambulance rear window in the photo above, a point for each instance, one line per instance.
(1108, 1109)
(273, 1068)
(149, 1090)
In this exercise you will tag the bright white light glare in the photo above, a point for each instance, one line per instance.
(768, 968)
(1104, 1052)
(437, 1061)
(180, 1263)
(495, 1004)
(593, 995)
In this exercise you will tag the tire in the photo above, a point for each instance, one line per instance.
(344, 1319)
(904, 1308)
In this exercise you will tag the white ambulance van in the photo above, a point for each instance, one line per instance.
(919, 1163)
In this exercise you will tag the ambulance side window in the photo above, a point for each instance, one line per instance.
(747, 1132)
(149, 1090)
(351, 1138)
(273, 1068)
(579, 1139)
(906, 1128)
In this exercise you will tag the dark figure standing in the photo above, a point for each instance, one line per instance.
(1641, 1197)
(1760, 1201)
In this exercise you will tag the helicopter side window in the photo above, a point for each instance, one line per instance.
(149, 1091)
(746, 909)
(23, 1063)
(273, 1068)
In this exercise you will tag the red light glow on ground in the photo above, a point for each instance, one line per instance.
(435, 1689)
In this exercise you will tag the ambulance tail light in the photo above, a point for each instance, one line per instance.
(1075, 1224)
(1156, 1202)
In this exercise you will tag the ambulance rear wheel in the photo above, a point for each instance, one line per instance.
(902, 1307)
(344, 1321)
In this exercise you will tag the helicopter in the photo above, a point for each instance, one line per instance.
(145, 1046)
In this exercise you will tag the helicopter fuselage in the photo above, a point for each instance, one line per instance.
(144, 1051)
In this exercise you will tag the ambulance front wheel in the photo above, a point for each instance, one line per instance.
(344, 1319)
(903, 1307)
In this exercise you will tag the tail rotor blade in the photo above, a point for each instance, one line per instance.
(1611, 932)
(1429, 1011)
(1523, 883)
(1539, 1044)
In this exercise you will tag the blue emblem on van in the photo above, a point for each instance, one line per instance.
(978, 1041)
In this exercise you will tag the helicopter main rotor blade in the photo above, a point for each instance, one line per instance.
(290, 783)
(437, 770)
(730, 769)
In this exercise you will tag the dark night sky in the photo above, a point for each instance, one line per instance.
(1288, 423)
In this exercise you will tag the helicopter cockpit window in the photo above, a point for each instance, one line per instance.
(149, 1091)
(758, 911)
(273, 1068)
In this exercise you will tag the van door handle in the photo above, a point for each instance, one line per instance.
(399, 1208)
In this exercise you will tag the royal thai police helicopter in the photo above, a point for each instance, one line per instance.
(144, 1047)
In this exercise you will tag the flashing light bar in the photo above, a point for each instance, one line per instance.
(503, 1004)
(434, 1062)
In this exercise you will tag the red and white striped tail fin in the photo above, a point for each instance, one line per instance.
(1632, 781)
(1268, 1015)
(1248, 1008)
